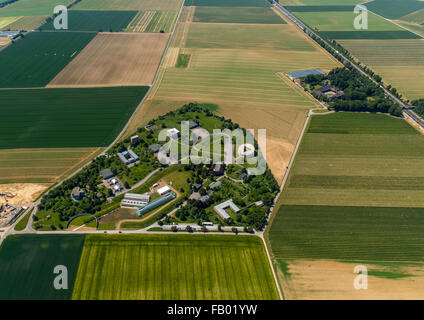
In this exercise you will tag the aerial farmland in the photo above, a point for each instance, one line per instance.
(211, 150)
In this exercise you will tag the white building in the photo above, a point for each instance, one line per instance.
(163, 190)
(135, 200)
(220, 208)
(173, 133)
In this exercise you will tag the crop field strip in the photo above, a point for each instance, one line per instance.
(58, 118)
(399, 62)
(27, 263)
(39, 57)
(258, 15)
(139, 57)
(32, 8)
(142, 5)
(43, 165)
(141, 21)
(342, 198)
(161, 21)
(227, 3)
(173, 267)
(4, 22)
(87, 20)
(394, 9)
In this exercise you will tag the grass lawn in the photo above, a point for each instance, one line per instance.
(39, 57)
(174, 267)
(85, 20)
(27, 263)
(257, 15)
(53, 118)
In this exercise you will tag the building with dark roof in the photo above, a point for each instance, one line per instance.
(106, 173)
(77, 194)
(192, 124)
(329, 92)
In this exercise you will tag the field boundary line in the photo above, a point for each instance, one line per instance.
(277, 284)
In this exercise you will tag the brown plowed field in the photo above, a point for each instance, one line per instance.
(112, 59)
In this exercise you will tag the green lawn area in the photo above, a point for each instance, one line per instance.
(78, 117)
(86, 20)
(174, 267)
(21, 225)
(32, 7)
(39, 57)
(27, 263)
(258, 15)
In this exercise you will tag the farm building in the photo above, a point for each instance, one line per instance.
(135, 200)
(219, 169)
(154, 148)
(106, 174)
(135, 139)
(329, 92)
(221, 208)
(77, 194)
(155, 203)
(304, 73)
(173, 133)
(163, 190)
(215, 185)
(192, 124)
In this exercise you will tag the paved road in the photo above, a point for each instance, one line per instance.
(309, 31)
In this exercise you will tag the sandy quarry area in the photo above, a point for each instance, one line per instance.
(24, 192)
(115, 59)
(325, 279)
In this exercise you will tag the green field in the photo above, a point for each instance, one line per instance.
(399, 62)
(183, 60)
(348, 233)
(227, 3)
(394, 9)
(128, 5)
(60, 118)
(320, 2)
(258, 15)
(374, 35)
(415, 17)
(173, 267)
(343, 21)
(357, 178)
(85, 20)
(27, 263)
(323, 8)
(32, 7)
(38, 57)
(162, 21)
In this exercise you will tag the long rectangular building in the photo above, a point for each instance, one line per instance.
(135, 200)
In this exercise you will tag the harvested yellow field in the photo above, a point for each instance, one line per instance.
(4, 22)
(23, 193)
(26, 23)
(141, 21)
(237, 66)
(326, 279)
(4, 41)
(112, 59)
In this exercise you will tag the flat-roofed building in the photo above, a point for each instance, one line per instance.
(135, 200)
(106, 173)
(222, 207)
(163, 190)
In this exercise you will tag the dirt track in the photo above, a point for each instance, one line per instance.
(115, 59)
